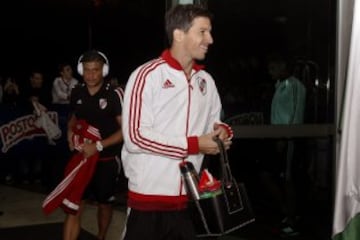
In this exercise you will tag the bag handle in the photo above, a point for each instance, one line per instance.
(226, 175)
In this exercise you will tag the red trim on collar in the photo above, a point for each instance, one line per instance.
(166, 55)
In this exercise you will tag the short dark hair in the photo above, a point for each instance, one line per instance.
(281, 58)
(62, 66)
(36, 71)
(93, 56)
(181, 16)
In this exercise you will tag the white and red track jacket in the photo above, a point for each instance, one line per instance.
(163, 114)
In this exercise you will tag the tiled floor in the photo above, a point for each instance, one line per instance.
(21, 205)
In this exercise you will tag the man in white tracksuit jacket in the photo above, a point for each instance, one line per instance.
(171, 113)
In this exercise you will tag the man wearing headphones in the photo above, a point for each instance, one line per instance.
(98, 105)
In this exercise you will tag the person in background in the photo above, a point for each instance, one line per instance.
(99, 105)
(60, 93)
(36, 90)
(11, 93)
(279, 173)
(63, 84)
(35, 162)
(288, 103)
(171, 114)
(11, 97)
(114, 81)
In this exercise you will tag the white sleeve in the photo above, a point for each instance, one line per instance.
(139, 134)
(57, 92)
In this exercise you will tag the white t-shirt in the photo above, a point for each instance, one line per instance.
(61, 90)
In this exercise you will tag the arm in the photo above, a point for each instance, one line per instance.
(299, 101)
(58, 92)
(221, 130)
(115, 101)
(115, 138)
(140, 133)
(70, 133)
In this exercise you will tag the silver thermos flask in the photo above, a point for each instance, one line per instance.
(191, 179)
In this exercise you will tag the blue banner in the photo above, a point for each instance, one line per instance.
(19, 133)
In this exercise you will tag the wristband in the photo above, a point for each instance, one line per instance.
(99, 146)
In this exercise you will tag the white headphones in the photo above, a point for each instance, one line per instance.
(105, 70)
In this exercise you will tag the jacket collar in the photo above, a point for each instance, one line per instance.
(166, 55)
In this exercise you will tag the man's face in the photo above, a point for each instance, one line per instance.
(93, 73)
(67, 72)
(36, 80)
(198, 38)
(276, 70)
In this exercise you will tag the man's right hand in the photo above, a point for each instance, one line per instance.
(207, 145)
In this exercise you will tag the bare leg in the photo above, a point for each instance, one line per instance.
(72, 225)
(105, 212)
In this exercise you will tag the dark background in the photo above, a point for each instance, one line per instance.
(42, 34)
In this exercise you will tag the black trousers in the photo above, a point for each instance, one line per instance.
(159, 225)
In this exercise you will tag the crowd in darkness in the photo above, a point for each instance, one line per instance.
(240, 71)
(17, 99)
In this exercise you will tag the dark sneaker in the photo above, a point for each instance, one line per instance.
(289, 231)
